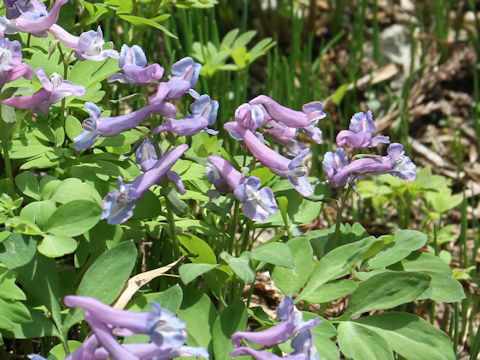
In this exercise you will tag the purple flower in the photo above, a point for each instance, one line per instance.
(118, 205)
(11, 65)
(88, 46)
(290, 169)
(133, 62)
(186, 73)
(29, 16)
(36, 357)
(292, 323)
(258, 203)
(164, 328)
(150, 351)
(306, 119)
(204, 113)
(249, 116)
(395, 163)
(166, 331)
(110, 126)
(146, 156)
(285, 136)
(302, 344)
(360, 133)
(54, 89)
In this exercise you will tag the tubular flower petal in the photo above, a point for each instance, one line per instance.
(249, 116)
(54, 89)
(118, 205)
(203, 114)
(11, 66)
(285, 135)
(30, 16)
(110, 126)
(290, 169)
(146, 156)
(133, 62)
(306, 119)
(164, 328)
(360, 133)
(395, 163)
(258, 203)
(186, 73)
(88, 46)
(291, 324)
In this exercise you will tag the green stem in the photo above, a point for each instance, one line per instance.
(233, 229)
(8, 166)
(338, 222)
(173, 229)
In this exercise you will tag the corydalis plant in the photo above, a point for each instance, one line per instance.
(292, 326)
(166, 331)
(29, 16)
(87, 46)
(258, 203)
(11, 65)
(118, 205)
(54, 89)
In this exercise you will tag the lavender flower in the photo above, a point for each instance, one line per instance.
(186, 73)
(110, 126)
(306, 119)
(29, 16)
(164, 328)
(360, 133)
(133, 62)
(118, 205)
(285, 135)
(54, 89)
(338, 169)
(250, 117)
(290, 169)
(146, 156)
(292, 323)
(11, 65)
(88, 46)
(258, 203)
(302, 344)
(166, 331)
(204, 113)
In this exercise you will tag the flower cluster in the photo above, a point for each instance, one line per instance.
(282, 125)
(360, 136)
(166, 331)
(292, 327)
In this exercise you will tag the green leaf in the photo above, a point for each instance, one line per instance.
(188, 272)
(336, 263)
(275, 253)
(74, 189)
(106, 278)
(12, 312)
(139, 21)
(74, 218)
(443, 288)
(41, 325)
(404, 242)
(39, 212)
(73, 127)
(8, 289)
(410, 336)
(198, 312)
(241, 266)
(59, 352)
(27, 182)
(56, 246)
(291, 280)
(332, 291)
(19, 250)
(422, 261)
(232, 319)
(201, 251)
(360, 343)
(385, 291)
(170, 299)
